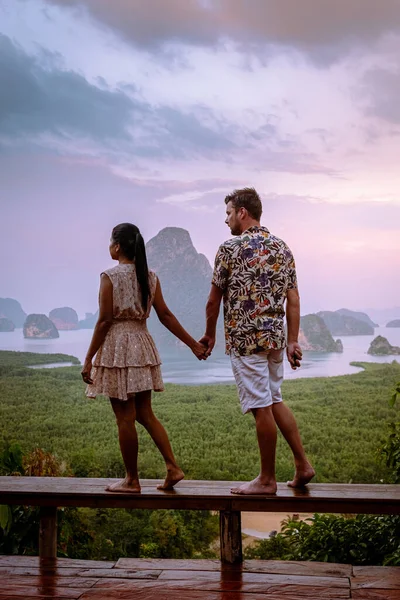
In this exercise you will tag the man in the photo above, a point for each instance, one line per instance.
(255, 275)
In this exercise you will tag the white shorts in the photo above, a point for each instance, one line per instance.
(258, 378)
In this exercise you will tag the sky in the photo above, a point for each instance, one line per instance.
(152, 112)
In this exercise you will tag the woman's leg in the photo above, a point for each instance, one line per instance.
(146, 417)
(125, 414)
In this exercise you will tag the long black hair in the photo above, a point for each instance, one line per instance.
(132, 246)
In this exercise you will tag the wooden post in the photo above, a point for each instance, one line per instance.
(48, 532)
(230, 531)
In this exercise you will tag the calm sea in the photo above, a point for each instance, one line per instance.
(182, 367)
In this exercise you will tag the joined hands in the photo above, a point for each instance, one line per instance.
(203, 348)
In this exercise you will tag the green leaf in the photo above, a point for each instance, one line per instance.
(5, 518)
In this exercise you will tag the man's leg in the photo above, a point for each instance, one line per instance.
(251, 375)
(125, 414)
(146, 417)
(265, 483)
(287, 423)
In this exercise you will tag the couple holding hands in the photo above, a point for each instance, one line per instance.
(255, 277)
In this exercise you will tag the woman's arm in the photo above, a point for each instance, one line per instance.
(168, 319)
(102, 326)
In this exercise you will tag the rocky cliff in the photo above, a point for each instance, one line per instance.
(39, 326)
(64, 318)
(345, 325)
(381, 347)
(316, 337)
(11, 309)
(6, 324)
(394, 323)
(185, 277)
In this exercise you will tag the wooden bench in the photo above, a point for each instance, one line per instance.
(52, 492)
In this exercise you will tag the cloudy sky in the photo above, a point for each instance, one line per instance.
(152, 112)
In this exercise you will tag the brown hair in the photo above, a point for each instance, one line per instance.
(248, 199)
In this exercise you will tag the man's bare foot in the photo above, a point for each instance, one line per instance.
(173, 477)
(126, 486)
(302, 476)
(256, 487)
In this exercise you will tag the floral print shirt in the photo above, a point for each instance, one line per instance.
(255, 270)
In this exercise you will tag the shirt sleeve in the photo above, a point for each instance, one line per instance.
(291, 270)
(221, 268)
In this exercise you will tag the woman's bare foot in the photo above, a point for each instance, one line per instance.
(302, 476)
(126, 486)
(173, 477)
(256, 487)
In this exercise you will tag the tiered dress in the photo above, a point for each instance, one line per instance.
(128, 361)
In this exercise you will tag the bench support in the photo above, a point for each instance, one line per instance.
(230, 530)
(48, 532)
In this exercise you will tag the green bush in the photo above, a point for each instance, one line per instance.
(360, 540)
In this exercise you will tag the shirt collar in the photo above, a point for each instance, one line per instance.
(256, 229)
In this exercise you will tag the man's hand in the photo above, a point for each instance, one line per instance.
(294, 354)
(208, 342)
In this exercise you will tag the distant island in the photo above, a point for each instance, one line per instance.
(40, 326)
(345, 324)
(394, 323)
(6, 324)
(64, 318)
(315, 336)
(360, 316)
(12, 310)
(381, 347)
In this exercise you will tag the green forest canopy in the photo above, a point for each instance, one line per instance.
(343, 421)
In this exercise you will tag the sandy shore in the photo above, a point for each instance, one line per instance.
(259, 525)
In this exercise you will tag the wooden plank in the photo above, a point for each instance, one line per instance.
(171, 594)
(255, 566)
(244, 588)
(298, 568)
(66, 572)
(230, 535)
(169, 563)
(50, 491)
(122, 574)
(16, 591)
(50, 581)
(58, 563)
(265, 578)
(375, 594)
(48, 532)
(376, 577)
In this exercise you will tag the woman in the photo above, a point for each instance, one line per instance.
(127, 364)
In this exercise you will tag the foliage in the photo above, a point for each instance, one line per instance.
(9, 358)
(337, 417)
(360, 540)
(390, 451)
(100, 534)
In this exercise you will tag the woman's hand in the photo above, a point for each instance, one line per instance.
(199, 350)
(86, 370)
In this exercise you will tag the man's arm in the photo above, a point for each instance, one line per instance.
(212, 313)
(293, 350)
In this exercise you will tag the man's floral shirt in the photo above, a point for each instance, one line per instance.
(255, 270)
